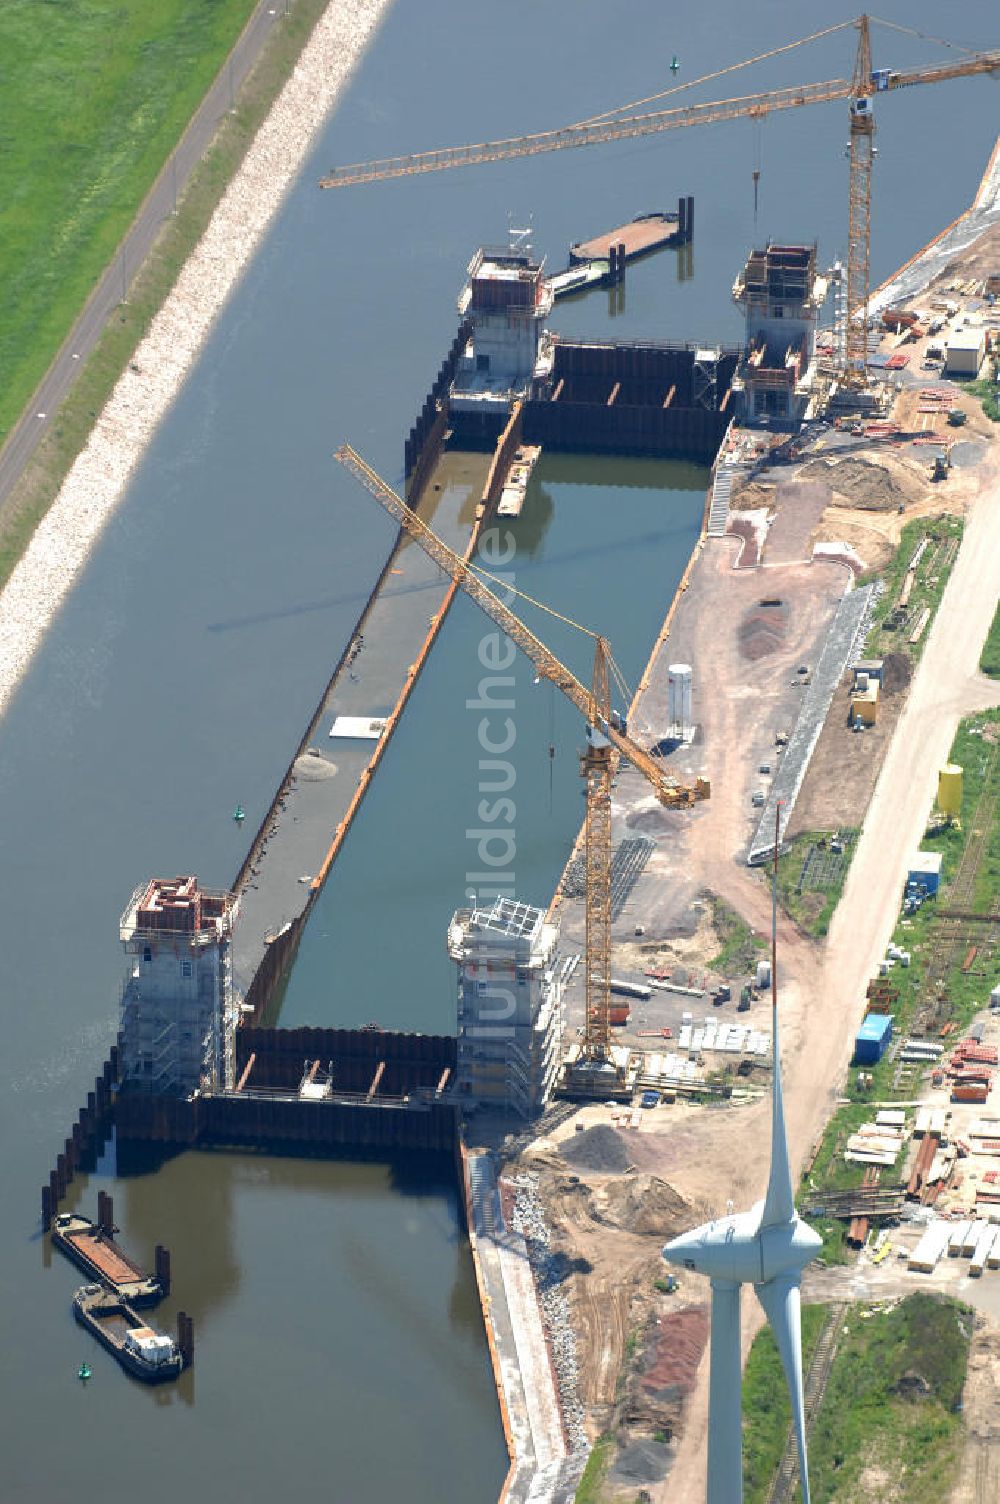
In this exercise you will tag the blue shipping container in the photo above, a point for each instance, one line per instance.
(872, 1039)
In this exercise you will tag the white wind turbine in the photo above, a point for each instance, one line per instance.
(767, 1247)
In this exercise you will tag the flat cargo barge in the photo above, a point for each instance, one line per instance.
(640, 236)
(94, 1250)
(146, 1354)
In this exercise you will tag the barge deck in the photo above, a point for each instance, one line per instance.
(144, 1353)
(94, 1250)
(640, 236)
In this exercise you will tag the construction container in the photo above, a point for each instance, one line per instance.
(925, 871)
(949, 795)
(763, 975)
(872, 1039)
(864, 704)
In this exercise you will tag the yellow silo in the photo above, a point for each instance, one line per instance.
(949, 795)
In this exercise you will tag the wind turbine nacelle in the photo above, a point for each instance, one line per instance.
(740, 1248)
(787, 1249)
(727, 1248)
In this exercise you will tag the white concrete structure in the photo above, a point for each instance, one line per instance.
(767, 1247)
(510, 1005)
(781, 294)
(505, 300)
(179, 1015)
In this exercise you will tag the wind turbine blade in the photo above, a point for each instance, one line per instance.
(725, 1397)
(782, 1304)
(779, 1203)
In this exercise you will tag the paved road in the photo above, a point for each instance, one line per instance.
(156, 207)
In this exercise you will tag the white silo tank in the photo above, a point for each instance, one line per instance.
(679, 695)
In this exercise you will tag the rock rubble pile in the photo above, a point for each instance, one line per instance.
(550, 1269)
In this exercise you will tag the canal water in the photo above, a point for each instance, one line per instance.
(339, 1339)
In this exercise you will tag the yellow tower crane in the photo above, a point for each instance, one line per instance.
(620, 124)
(604, 740)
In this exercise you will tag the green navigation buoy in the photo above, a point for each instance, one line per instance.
(83, 1372)
(239, 815)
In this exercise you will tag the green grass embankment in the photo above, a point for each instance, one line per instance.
(986, 391)
(96, 95)
(811, 876)
(889, 1425)
(590, 1487)
(767, 1412)
(989, 662)
(933, 571)
(122, 189)
(966, 992)
(740, 949)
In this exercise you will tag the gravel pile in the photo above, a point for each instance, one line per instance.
(599, 1148)
(549, 1270)
(97, 480)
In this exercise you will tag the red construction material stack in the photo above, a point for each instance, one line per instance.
(929, 1145)
(969, 1092)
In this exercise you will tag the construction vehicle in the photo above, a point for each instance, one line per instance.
(598, 1070)
(941, 464)
(623, 124)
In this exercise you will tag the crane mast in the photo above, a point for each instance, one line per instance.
(861, 150)
(598, 762)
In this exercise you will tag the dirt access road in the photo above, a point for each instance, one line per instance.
(823, 988)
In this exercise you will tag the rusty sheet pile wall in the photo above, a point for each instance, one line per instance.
(269, 1123)
(424, 440)
(641, 399)
(412, 1061)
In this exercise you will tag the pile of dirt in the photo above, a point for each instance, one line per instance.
(865, 484)
(599, 1149)
(673, 1360)
(751, 496)
(762, 631)
(896, 672)
(642, 1204)
(642, 1461)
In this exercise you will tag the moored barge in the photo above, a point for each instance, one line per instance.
(143, 1352)
(94, 1250)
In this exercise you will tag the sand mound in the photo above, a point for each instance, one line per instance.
(599, 1148)
(864, 484)
(762, 631)
(643, 1204)
(751, 496)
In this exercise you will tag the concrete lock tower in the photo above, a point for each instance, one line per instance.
(178, 1011)
(510, 1009)
(781, 294)
(504, 302)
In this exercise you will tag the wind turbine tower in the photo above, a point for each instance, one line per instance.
(767, 1247)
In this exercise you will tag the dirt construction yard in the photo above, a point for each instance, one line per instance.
(746, 631)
